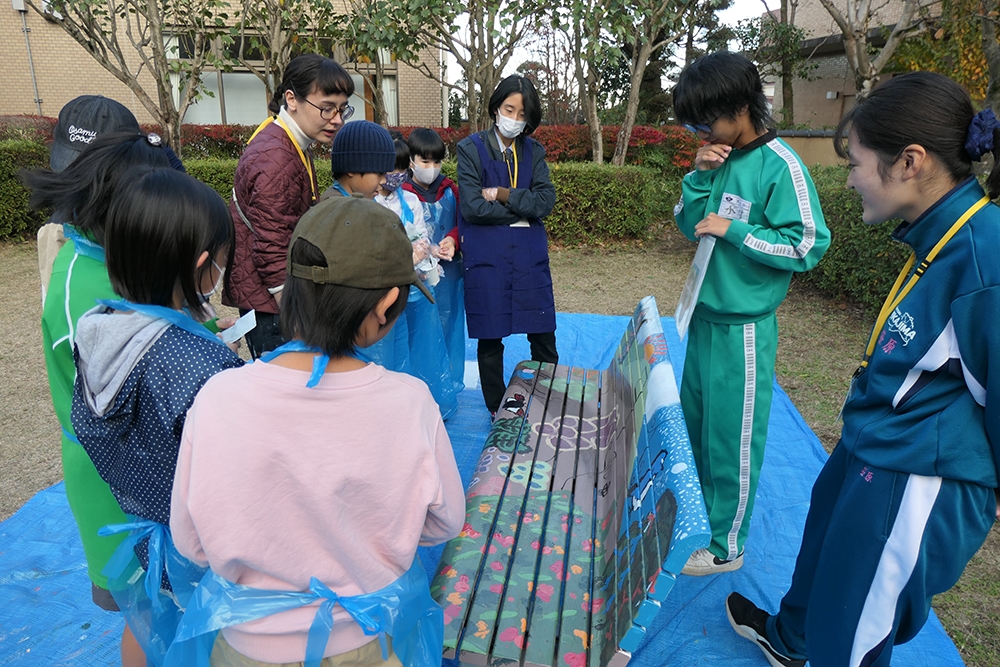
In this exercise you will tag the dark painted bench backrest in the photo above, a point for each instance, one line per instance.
(571, 512)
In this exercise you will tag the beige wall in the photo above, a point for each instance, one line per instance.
(814, 150)
(64, 70)
(812, 107)
(813, 17)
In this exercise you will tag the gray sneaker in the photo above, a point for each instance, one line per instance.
(703, 562)
(750, 621)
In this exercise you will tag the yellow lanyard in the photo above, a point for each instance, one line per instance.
(896, 296)
(512, 176)
(302, 156)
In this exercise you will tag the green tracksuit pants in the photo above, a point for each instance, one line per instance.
(726, 395)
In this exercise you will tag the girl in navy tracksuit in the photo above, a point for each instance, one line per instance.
(907, 496)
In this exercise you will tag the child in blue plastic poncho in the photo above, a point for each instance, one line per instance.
(439, 196)
(427, 354)
(307, 480)
(140, 360)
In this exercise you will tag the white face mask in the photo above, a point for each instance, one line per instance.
(425, 175)
(509, 127)
(218, 283)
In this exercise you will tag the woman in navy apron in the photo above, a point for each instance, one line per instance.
(504, 192)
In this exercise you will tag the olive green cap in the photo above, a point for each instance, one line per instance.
(364, 243)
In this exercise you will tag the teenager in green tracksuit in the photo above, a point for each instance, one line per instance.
(79, 277)
(751, 192)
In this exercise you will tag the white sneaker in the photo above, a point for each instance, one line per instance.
(703, 562)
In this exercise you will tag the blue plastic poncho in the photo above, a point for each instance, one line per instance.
(404, 610)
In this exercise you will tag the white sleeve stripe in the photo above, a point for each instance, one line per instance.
(805, 211)
(977, 390)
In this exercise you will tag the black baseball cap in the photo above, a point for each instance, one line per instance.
(81, 121)
(364, 243)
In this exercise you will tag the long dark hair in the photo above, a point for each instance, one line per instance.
(310, 72)
(329, 316)
(922, 108)
(82, 193)
(721, 84)
(532, 107)
(158, 226)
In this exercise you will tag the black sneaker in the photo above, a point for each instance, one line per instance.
(751, 622)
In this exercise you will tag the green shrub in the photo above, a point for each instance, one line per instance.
(863, 260)
(16, 220)
(599, 203)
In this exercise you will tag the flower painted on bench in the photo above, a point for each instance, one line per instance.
(504, 540)
(575, 659)
(514, 635)
(469, 531)
(482, 630)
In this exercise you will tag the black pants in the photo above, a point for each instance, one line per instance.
(266, 336)
(490, 354)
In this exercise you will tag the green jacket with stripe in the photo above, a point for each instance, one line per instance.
(777, 228)
(77, 282)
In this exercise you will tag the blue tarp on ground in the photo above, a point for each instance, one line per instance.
(47, 618)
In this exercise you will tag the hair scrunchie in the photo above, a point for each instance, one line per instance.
(980, 139)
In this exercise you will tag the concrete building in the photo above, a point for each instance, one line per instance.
(42, 68)
(821, 102)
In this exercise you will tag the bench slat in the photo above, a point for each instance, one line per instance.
(524, 472)
(575, 631)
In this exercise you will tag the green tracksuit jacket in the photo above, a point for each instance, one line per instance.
(77, 281)
(777, 228)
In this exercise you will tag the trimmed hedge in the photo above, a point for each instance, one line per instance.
(594, 203)
(863, 260)
(16, 219)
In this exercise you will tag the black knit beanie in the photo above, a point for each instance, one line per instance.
(362, 147)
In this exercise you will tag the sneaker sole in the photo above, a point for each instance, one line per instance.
(761, 642)
(732, 565)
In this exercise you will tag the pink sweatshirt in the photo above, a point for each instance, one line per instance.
(277, 483)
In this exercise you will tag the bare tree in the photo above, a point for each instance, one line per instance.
(149, 46)
(495, 30)
(855, 23)
(659, 23)
(267, 31)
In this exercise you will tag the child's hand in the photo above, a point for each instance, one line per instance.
(421, 250)
(713, 225)
(446, 250)
(711, 156)
(224, 323)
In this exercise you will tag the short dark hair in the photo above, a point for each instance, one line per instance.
(402, 154)
(310, 72)
(532, 107)
(721, 84)
(82, 193)
(426, 143)
(922, 108)
(329, 316)
(158, 226)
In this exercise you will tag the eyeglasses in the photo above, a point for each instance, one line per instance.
(696, 128)
(328, 113)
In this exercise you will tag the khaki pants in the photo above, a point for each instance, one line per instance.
(369, 655)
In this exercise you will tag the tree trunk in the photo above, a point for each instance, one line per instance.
(787, 101)
(991, 49)
(640, 56)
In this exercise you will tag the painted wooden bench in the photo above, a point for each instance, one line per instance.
(584, 506)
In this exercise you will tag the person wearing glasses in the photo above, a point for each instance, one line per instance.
(751, 193)
(276, 183)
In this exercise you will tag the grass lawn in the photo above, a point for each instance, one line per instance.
(821, 340)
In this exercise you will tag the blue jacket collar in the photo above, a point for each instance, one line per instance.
(925, 231)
